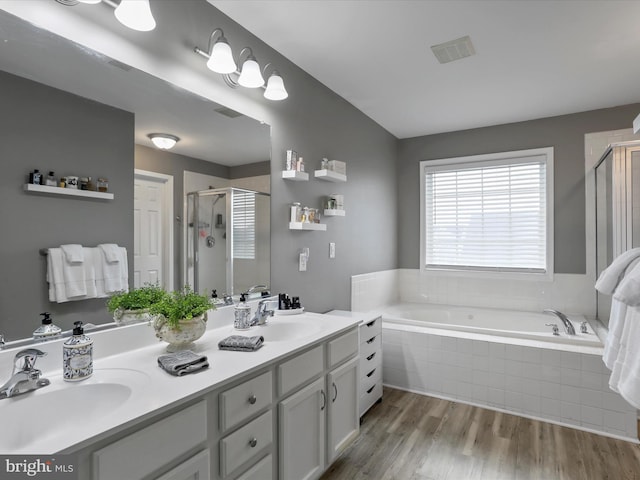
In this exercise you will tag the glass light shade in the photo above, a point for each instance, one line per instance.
(135, 14)
(275, 88)
(163, 141)
(250, 75)
(221, 59)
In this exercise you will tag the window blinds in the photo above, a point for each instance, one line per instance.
(487, 215)
(244, 225)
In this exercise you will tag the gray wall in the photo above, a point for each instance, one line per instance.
(49, 129)
(317, 123)
(565, 133)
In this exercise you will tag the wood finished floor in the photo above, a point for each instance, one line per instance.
(414, 437)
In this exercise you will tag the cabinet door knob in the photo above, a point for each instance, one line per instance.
(253, 442)
(252, 399)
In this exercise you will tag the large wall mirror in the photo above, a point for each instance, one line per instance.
(219, 151)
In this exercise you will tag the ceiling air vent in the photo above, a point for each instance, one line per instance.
(453, 50)
(227, 112)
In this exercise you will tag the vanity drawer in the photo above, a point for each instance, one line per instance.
(370, 346)
(370, 328)
(241, 402)
(367, 362)
(370, 396)
(342, 348)
(301, 369)
(263, 470)
(369, 370)
(142, 452)
(245, 443)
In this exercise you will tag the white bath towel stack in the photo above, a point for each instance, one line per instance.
(622, 346)
(78, 273)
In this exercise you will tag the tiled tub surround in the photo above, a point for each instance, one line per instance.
(525, 377)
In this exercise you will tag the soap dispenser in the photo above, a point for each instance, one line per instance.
(242, 314)
(47, 330)
(77, 355)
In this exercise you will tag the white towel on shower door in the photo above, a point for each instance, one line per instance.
(625, 377)
(614, 336)
(612, 275)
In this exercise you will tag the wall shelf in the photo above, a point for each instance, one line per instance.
(331, 212)
(29, 187)
(295, 175)
(307, 226)
(330, 176)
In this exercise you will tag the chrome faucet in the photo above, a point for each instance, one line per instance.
(25, 376)
(568, 326)
(257, 288)
(1, 341)
(262, 313)
(227, 299)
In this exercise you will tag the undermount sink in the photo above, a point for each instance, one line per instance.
(44, 413)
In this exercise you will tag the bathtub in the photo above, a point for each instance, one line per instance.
(509, 324)
(504, 360)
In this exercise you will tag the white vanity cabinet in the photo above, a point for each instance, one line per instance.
(287, 419)
(319, 420)
(370, 380)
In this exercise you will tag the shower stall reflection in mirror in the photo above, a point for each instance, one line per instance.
(227, 240)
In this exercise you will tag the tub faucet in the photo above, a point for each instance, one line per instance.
(25, 376)
(568, 326)
(260, 318)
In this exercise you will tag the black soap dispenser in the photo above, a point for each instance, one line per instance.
(47, 330)
(77, 355)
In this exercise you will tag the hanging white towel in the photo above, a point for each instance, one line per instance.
(612, 275)
(115, 274)
(111, 252)
(74, 279)
(73, 253)
(614, 336)
(625, 377)
(89, 272)
(57, 291)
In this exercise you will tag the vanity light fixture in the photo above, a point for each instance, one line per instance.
(163, 141)
(134, 14)
(220, 60)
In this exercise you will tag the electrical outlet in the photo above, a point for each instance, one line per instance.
(332, 250)
(302, 263)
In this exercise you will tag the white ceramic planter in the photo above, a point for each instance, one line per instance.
(183, 336)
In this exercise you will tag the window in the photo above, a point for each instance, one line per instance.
(489, 213)
(244, 225)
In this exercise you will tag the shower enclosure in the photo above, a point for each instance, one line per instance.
(227, 240)
(617, 177)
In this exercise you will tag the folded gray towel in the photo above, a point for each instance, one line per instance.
(241, 344)
(183, 362)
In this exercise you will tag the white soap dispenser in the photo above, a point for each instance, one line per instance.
(77, 355)
(242, 315)
(47, 330)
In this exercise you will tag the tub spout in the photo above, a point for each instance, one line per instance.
(568, 326)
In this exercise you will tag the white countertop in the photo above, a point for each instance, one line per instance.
(153, 390)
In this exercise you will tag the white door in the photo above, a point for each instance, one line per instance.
(152, 251)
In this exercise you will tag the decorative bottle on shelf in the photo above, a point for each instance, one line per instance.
(51, 180)
(77, 355)
(35, 177)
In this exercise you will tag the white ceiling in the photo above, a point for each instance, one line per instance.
(535, 58)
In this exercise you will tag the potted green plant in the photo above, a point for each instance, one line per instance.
(133, 306)
(180, 318)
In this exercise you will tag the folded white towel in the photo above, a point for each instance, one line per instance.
(111, 252)
(628, 290)
(74, 279)
(73, 253)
